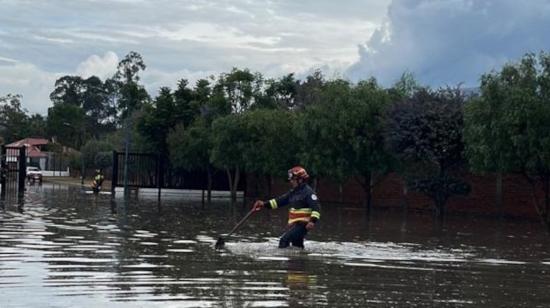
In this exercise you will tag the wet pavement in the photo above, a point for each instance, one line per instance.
(60, 247)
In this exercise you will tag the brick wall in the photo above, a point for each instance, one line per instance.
(517, 195)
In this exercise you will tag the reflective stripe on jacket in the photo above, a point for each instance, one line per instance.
(305, 206)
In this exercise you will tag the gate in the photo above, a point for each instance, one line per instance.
(13, 170)
(147, 170)
(143, 170)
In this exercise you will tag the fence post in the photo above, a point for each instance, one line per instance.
(3, 172)
(114, 173)
(22, 170)
(159, 176)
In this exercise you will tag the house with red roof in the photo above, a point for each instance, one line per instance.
(35, 150)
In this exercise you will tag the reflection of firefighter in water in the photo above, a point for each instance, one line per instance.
(98, 181)
(301, 283)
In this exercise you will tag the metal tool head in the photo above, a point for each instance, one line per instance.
(220, 243)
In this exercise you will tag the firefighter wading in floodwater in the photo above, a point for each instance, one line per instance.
(305, 210)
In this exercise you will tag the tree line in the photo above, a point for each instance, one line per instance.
(240, 121)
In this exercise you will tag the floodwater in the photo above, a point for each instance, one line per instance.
(60, 247)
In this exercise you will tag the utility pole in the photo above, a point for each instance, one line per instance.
(126, 149)
(82, 134)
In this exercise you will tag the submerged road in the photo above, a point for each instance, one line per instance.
(60, 247)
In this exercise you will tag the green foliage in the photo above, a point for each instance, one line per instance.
(37, 126)
(92, 96)
(425, 132)
(94, 154)
(103, 160)
(131, 96)
(366, 122)
(190, 147)
(239, 88)
(428, 128)
(337, 129)
(281, 93)
(229, 141)
(271, 141)
(343, 134)
(157, 119)
(188, 102)
(66, 121)
(129, 67)
(309, 92)
(75, 161)
(324, 133)
(508, 126)
(68, 90)
(13, 119)
(96, 103)
(404, 88)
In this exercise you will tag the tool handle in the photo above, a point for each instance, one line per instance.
(241, 222)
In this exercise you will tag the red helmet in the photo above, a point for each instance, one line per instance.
(298, 172)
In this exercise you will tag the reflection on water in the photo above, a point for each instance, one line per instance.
(60, 247)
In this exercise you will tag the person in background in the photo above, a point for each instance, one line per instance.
(305, 210)
(98, 180)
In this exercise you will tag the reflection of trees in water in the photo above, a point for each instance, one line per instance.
(74, 227)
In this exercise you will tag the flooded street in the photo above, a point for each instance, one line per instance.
(60, 247)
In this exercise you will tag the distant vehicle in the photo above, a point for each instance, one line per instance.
(34, 174)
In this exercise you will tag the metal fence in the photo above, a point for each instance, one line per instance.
(146, 170)
(13, 170)
(57, 164)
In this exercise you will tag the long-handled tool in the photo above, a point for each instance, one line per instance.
(220, 242)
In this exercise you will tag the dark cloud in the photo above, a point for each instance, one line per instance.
(448, 42)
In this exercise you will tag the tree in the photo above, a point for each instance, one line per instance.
(209, 101)
(100, 113)
(281, 93)
(92, 96)
(272, 143)
(97, 154)
(157, 119)
(323, 133)
(371, 161)
(404, 88)
(36, 126)
(239, 89)
(426, 133)
(309, 92)
(229, 140)
(67, 123)
(129, 67)
(131, 95)
(202, 92)
(187, 102)
(13, 118)
(343, 134)
(508, 127)
(68, 90)
(190, 149)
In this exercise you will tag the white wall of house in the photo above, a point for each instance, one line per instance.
(56, 173)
